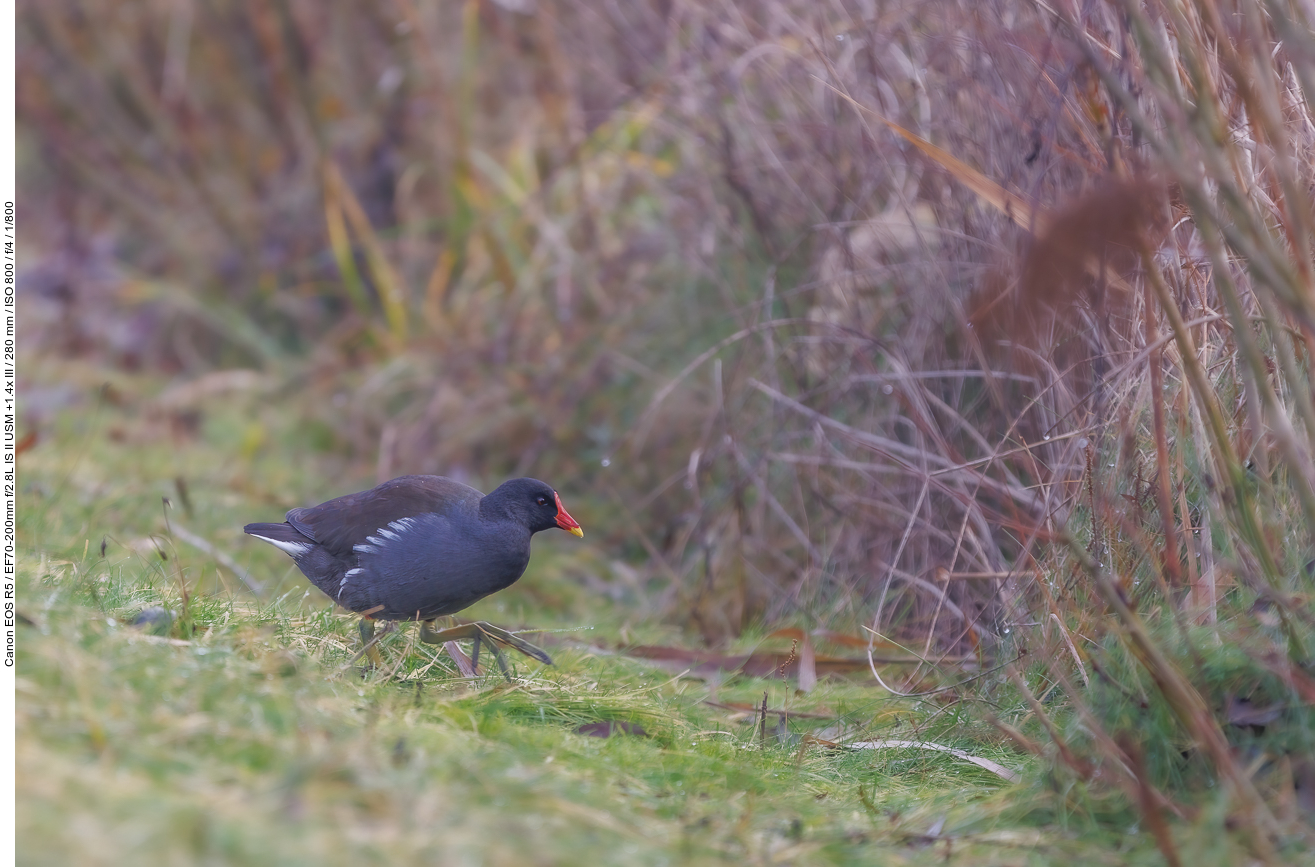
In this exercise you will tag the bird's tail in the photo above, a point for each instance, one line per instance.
(282, 536)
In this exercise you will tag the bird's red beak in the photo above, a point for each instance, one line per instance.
(565, 521)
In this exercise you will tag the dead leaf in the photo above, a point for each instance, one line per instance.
(1292, 676)
(1241, 712)
(25, 443)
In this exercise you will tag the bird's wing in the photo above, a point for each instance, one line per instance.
(345, 522)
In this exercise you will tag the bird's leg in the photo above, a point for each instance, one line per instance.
(369, 639)
(494, 636)
(429, 635)
(486, 633)
(474, 653)
(493, 649)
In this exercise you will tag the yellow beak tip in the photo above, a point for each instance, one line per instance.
(576, 531)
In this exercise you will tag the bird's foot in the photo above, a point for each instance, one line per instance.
(483, 633)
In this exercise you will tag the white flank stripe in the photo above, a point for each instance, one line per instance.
(349, 573)
(365, 549)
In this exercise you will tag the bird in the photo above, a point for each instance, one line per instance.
(419, 547)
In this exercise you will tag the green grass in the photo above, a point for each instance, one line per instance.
(245, 736)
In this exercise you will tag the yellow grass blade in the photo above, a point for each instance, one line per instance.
(387, 282)
(1034, 218)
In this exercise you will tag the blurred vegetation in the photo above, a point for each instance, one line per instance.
(984, 327)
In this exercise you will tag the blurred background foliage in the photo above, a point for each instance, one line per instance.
(480, 239)
(962, 321)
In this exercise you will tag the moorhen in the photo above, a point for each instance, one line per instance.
(419, 547)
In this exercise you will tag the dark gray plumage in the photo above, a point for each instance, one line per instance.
(418, 547)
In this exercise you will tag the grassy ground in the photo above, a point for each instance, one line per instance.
(242, 733)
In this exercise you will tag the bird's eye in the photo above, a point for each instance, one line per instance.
(543, 501)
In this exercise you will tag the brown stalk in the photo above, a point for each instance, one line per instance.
(1163, 489)
(1244, 507)
(1202, 600)
(1150, 805)
(392, 293)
